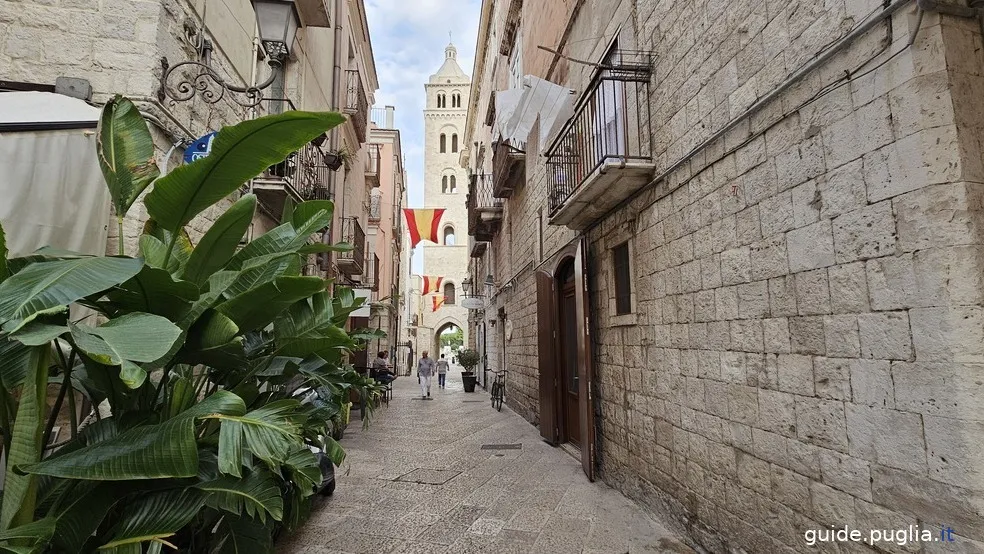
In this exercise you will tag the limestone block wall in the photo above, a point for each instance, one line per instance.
(808, 348)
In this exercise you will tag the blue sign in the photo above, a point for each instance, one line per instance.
(199, 149)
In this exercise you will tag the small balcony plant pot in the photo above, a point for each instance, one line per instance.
(468, 379)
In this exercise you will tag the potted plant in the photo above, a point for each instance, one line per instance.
(469, 360)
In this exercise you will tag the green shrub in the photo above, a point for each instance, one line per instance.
(469, 359)
(197, 356)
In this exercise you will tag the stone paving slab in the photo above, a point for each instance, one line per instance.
(419, 481)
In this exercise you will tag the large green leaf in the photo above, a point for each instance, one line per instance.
(258, 494)
(37, 333)
(82, 508)
(153, 291)
(269, 432)
(305, 471)
(217, 285)
(29, 538)
(242, 535)
(213, 330)
(20, 491)
(126, 152)
(220, 242)
(334, 451)
(146, 452)
(49, 287)
(156, 516)
(15, 358)
(282, 239)
(264, 269)
(4, 271)
(126, 340)
(239, 153)
(306, 211)
(257, 307)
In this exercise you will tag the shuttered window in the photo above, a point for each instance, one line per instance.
(623, 279)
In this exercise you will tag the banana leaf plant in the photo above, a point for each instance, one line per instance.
(192, 360)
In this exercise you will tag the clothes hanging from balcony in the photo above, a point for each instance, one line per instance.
(518, 109)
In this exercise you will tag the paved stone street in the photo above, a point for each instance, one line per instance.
(419, 480)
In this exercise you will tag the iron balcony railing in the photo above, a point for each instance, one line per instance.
(372, 164)
(611, 123)
(370, 276)
(483, 207)
(305, 170)
(352, 262)
(508, 166)
(356, 103)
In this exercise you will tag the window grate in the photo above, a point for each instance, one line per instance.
(623, 280)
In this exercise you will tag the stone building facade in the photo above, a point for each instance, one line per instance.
(386, 232)
(125, 46)
(793, 341)
(445, 185)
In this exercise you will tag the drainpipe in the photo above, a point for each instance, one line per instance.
(337, 197)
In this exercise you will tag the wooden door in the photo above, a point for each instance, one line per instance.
(586, 377)
(546, 356)
(569, 370)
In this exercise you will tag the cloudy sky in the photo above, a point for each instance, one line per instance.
(408, 40)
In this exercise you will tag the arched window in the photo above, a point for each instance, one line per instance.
(444, 143)
(454, 185)
(441, 100)
(449, 235)
(448, 294)
(456, 100)
(454, 142)
(444, 184)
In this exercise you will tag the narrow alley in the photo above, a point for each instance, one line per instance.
(454, 475)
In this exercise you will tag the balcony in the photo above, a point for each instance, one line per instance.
(372, 164)
(370, 276)
(375, 207)
(508, 167)
(603, 153)
(476, 249)
(353, 262)
(302, 176)
(356, 103)
(484, 209)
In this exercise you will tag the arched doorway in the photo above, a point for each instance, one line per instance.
(448, 339)
(564, 352)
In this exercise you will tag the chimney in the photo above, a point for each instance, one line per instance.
(389, 117)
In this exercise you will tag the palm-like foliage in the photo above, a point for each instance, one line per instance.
(198, 354)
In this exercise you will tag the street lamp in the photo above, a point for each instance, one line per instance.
(466, 285)
(277, 21)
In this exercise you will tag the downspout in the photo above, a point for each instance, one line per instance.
(338, 198)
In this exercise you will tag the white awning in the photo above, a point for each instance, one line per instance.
(518, 109)
(44, 108)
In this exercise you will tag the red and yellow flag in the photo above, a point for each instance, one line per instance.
(423, 224)
(432, 284)
(438, 301)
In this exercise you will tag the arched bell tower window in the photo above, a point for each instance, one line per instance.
(454, 142)
(442, 100)
(444, 143)
(449, 236)
(449, 294)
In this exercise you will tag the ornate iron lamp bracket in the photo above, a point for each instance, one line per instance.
(208, 84)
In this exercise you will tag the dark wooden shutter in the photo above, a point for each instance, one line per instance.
(546, 355)
(582, 302)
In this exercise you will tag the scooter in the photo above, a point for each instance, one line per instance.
(327, 486)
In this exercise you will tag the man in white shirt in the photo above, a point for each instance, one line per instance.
(442, 371)
(425, 370)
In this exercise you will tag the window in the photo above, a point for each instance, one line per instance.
(444, 184)
(449, 235)
(441, 100)
(448, 294)
(623, 280)
(454, 185)
(456, 100)
(516, 64)
(454, 142)
(444, 143)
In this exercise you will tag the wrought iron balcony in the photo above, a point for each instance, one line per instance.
(508, 167)
(302, 176)
(353, 262)
(372, 164)
(356, 103)
(370, 275)
(603, 154)
(484, 209)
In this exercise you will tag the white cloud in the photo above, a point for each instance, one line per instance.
(408, 40)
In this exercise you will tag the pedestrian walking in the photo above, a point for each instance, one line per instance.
(425, 370)
(442, 371)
